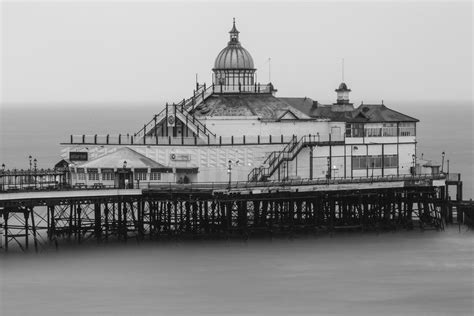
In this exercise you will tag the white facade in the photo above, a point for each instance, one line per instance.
(229, 130)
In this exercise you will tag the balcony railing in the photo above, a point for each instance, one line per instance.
(176, 141)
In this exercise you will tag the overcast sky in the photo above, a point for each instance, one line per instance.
(70, 52)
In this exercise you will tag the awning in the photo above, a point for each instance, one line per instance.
(186, 170)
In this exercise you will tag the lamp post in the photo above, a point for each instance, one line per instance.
(334, 170)
(414, 164)
(373, 166)
(442, 161)
(29, 170)
(352, 160)
(229, 170)
(35, 164)
(3, 176)
(124, 173)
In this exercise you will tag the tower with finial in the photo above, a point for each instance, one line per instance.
(233, 67)
(342, 102)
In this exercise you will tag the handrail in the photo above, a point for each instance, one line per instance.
(275, 158)
(184, 104)
(195, 120)
(247, 184)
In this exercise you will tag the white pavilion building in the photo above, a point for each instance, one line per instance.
(241, 130)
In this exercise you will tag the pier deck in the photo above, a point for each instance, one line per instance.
(215, 210)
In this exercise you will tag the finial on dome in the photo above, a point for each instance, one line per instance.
(234, 33)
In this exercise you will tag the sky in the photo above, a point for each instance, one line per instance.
(110, 52)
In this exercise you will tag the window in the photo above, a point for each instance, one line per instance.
(407, 129)
(359, 162)
(348, 130)
(369, 162)
(373, 132)
(94, 176)
(155, 176)
(358, 130)
(107, 176)
(389, 129)
(81, 176)
(390, 161)
(374, 162)
(140, 176)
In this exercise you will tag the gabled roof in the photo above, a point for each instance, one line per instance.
(287, 115)
(116, 159)
(265, 106)
(381, 113)
(305, 105)
(364, 113)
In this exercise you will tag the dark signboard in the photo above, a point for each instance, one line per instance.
(78, 156)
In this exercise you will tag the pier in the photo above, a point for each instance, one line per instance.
(45, 219)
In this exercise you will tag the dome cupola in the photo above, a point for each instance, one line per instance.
(343, 94)
(234, 64)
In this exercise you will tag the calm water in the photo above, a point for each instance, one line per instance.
(403, 273)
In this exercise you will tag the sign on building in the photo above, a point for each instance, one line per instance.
(78, 156)
(171, 120)
(180, 157)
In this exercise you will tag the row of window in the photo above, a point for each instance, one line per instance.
(387, 129)
(364, 162)
(108, 176)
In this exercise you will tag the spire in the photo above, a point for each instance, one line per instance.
(234, 34)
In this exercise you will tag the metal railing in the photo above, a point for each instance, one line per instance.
(288, 153)
(237, 184)
(176, 141)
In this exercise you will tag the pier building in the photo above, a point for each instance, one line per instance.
(235, 159)
(236, 129)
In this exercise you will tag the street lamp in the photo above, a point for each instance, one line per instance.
(442, 161)
(35, 162)
(229, 170)
(352, 160)
(124, 173)
(373, 166)
(3, 176)
(414, 164)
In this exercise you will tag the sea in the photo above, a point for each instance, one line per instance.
(393, 273)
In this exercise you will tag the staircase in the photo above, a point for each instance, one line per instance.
(288, 153)
(182, 111)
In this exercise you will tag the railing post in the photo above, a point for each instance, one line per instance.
(282, 138)
(258, 139)
(83, 138)
(169, 140)
(120, 139)
(107, 139)
(270, 139)
(195, 140)
(220, 140)
(95, 139)
(232, 140)
(208, 140)
(71, 139)
(244, 139)
(131, 139)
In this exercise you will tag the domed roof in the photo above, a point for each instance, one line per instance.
(342, 87)
(234, 56)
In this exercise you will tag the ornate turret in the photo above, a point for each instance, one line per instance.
(234, 64)
(342, 103)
